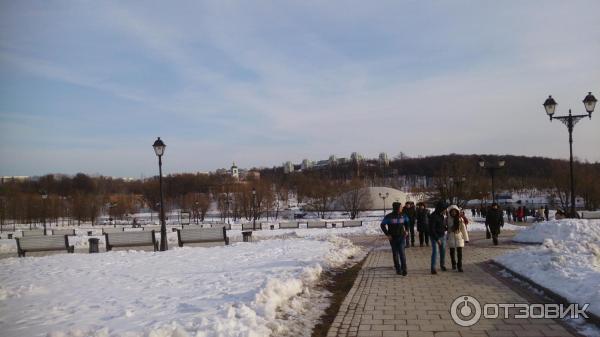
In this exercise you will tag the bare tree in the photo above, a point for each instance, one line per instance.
(355, 198)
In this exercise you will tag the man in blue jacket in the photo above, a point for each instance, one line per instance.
(393, 226)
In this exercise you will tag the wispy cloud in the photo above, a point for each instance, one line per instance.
(261, 83)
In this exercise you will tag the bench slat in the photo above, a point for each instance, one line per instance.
(201, 235)
(130, 239)
(43, 243)
(63, 232)
(289, 224)
(316, 224)
(352, 223)
(33, 232)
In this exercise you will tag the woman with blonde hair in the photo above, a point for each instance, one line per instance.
(457, 236)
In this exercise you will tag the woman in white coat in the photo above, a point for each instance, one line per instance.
(456, 237)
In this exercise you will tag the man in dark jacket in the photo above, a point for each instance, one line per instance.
(409, 210)
(494, 220)
(437, 232)
(393, 226)
(423, 223)
(546, 213)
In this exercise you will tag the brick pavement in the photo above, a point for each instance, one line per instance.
(382, 303)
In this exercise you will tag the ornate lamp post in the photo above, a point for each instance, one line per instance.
(492, 169)
(384, 196)
(569, 121)
(253, 208)
(159, 149)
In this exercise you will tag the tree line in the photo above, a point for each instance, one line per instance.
(455, 178)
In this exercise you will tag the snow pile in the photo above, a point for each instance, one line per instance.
(236, 290)
(567, 262)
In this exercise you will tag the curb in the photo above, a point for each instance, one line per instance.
(593, 319)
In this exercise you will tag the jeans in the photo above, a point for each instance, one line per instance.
(438, 244)
(459, 255)
(410, 240)
(397, 243)
(423, 237)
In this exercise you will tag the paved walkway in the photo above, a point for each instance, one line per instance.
(382, 303)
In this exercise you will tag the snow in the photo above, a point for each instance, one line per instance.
(235, 290)
(567, 262)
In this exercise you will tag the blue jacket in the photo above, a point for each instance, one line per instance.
(394, 224)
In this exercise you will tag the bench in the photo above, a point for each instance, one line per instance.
(289, 224)
(316, 224)
(590, 214)
(113, 230)
(352, 223)
(32, 232)
(248, 226)
(63, 232)
(202, 235)
(130, 239)
(151, 228)
(221, 225)
(43, 244)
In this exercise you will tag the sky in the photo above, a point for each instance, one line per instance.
(87, 86)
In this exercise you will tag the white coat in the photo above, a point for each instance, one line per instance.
(458, 238)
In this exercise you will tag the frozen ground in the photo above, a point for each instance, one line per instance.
(239, 290)
(567, 261)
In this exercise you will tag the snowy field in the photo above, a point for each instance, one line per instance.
(567, 261)
(245, 289)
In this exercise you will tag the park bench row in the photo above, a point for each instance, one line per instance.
(41, 243)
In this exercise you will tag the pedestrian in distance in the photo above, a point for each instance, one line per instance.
(494, 221)
(423, 223)
(546, 213)
(437, 236)
(457, 237)
(463, 216)
(409, 210)
(393, 226)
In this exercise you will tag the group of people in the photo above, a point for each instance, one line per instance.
(445, 227)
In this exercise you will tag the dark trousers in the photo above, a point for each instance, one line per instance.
(423, 237)
(454, 253)
(410, 228)
(397, 243)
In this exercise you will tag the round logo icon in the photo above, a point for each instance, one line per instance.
(465, 310)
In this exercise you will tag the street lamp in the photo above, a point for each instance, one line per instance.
(492, 169)
(159, 149)
(569, 121)
(384, 196)
(44, 195)
(253, 208)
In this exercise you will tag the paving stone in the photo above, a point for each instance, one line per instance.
(382, 303)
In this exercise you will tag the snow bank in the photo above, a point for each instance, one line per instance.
(234, 290)
(567, 262)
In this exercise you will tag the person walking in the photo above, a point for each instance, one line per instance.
(423, 223)
(494, 220)
(546, 213)
(393, 226)
(409, 210)
(437, 234)
(457, 236)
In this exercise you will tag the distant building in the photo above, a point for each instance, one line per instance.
(333, 161)
(6, 179)
(384, 160)
(288, 167)
(306, 164)
(356, 157)
(234, 172)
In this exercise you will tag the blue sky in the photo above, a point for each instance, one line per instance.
(87, 86)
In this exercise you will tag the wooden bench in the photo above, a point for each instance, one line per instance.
(316, 224)
(130, 239)
(289, 224)
(248, 226)
(221, 225)
(32, 232)
(352, 223)
(112, 230)
(202, 235)
(43, 244)
(70, 232)
(151, 228)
